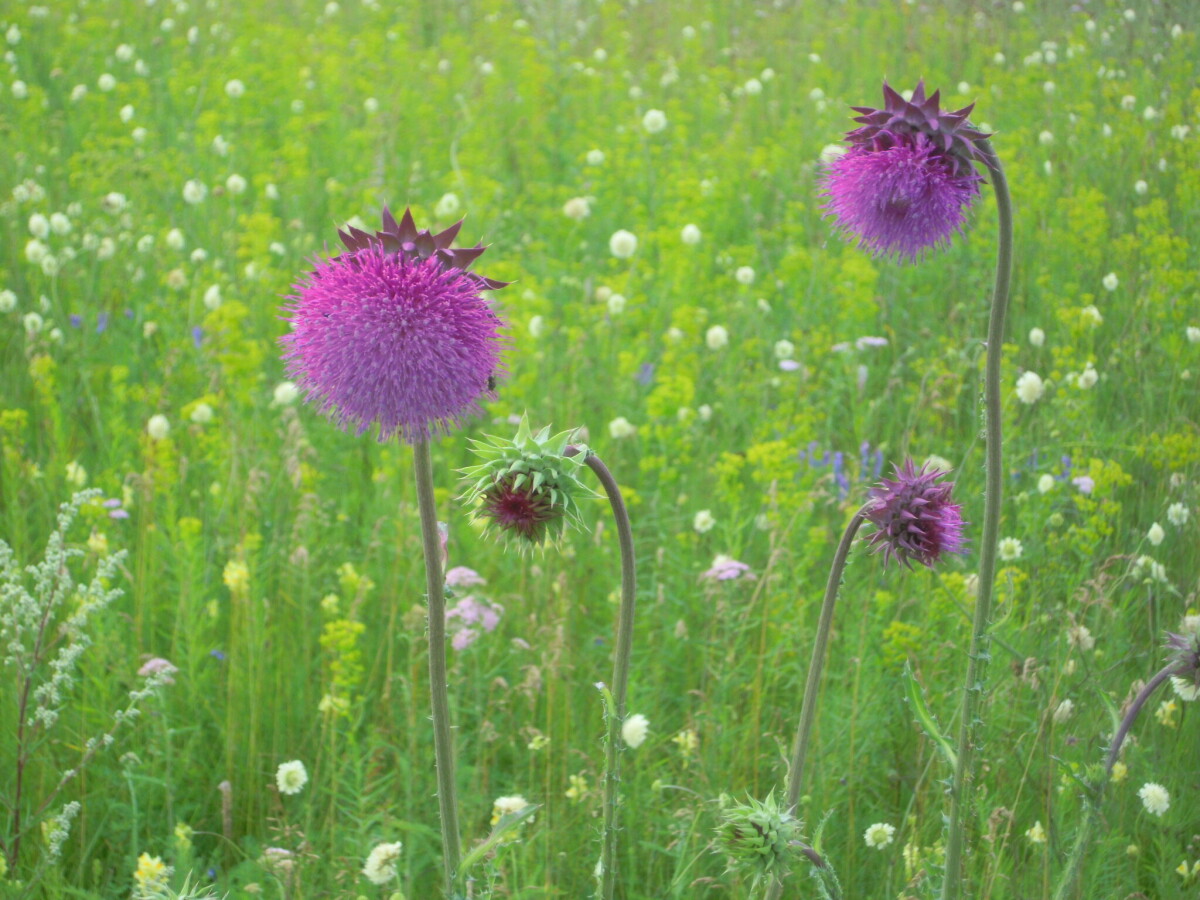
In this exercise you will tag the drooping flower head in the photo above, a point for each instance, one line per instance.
(909, 176)
(395, 331)
(1184, 652)
(914, 517)
(526, 487)
(760, 836)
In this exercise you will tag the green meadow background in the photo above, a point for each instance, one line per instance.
(276, 560)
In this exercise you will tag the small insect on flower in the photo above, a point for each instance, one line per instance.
(915, 517)
(909, 176)
(291, 777)
(395, 331)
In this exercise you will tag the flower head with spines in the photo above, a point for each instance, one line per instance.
(527, 488)
(909, 175)
(760, 836)
(914, 517)
(1184, 652)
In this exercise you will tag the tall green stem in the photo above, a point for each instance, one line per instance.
(968, 730)
(616, 715)
(816, 665)
(443, 745)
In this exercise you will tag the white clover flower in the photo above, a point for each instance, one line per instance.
(1128, 102)
(202, 414)
(1088, 377)
(1048, 87)
(126, 113)
(784, 349)
(879, 835)
(8, 302)
(1030, 387)
(106, 82)
(1110, 281)
(381, 864)
(291, 777)
(616, 304)
(1141, 188)
(272, 191)
(716, 337)
(448, 206)
(744, 275)
(235, 88)
(1045, 484)
(220, 145)
(1046, 138)
(106, 249)
(138, 134)
(39, 226)
(752, 87)
(194, 191)
(705, 412)
(577, 208)
(634, 730)
(1063, 711)
(235, 184)
(212, 297)
(78, 92)
(1193, 334)
(620, 428)
(703, 521)
(285, 393)
(1155, 798)
(175, 239)
(145, 243)
(33, 323)
(537, 327)
(767, 74)
(35, 251)
(1091, 316)
(486, 68)
(595, 157)
(673, 335)
(1177, 513)
(1156, 534)
(13, 35)
(690, 235)
(1037, 337)
(158, 427)
(654, 121)
(60, 224)
(622, 244)
(1036, 834)
(1010, 549)
(20, 90)
(49, 265)
(198, 255)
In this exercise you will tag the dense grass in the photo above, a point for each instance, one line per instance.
(500, 103)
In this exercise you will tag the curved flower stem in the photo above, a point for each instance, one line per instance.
(616, 715)
(968, 730)
(443, 746)
(1083, 839)
(808, 706)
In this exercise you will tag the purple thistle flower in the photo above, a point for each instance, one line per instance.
(914, 517)
(908, 178)
(396, 332)
(521, 509)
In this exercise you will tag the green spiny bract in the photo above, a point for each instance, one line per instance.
(760, 836)
(526, 487)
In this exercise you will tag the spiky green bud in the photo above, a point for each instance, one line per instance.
(526, 487)
(760, 836)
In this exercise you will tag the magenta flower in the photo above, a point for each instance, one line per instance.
(914, 517)
(156, 666)
(462, 576)
(395, 332)
(726, 568)
(908, 178)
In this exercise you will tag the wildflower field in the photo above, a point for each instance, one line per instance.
(217, 656)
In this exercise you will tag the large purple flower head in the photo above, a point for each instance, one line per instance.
(908, 178)
(914, 517)
(395, 331)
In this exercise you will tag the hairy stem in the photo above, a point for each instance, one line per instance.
(968, 729)
(816, 665)
(443, 745)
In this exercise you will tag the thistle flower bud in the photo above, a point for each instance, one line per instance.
(1184, 652)
(526, 487)
(760, 836)
(915, 517)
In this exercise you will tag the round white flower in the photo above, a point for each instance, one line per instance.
(235, 88)
(1177, 513)
(126, 113)
(39, 226)
(1046, 138)
(1063, 711)
(1045, 484)
(504, 806)
(752, 87)
(13, 35)
(595, 157)
(448, 206)
(291, 777)
(830, 152)
(286, 393)
(8, 302)
(716, 337)
(235, 184)
(1156, 534)
(690, 235)
(537, 327)
(158, 427)
(35, 251)
(577, 208)
(879, 835)
(381, 864)
(654, 121)
(623, 244)
(106, 82)
(202, 414)
(124, 52)
(1088, 377)
(1141, 188)
(1091, 316)
(194, 191)
(621, 427)
(145, 243)
(33, 323)
(1110, 281)
(175, 239)
(1030, 387)
(212, 297)
(616, 304)
(1155, 798)
(1037, 337)
(634, 730)
(703, 521)
(1010, 549)
(744, 275)
(784, 349)
(1187, 690)
(1193, 334)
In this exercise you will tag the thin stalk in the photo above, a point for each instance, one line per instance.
(443, 745)
(1083, 839)
(968, 730)
(816, 666)
(620, 680)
